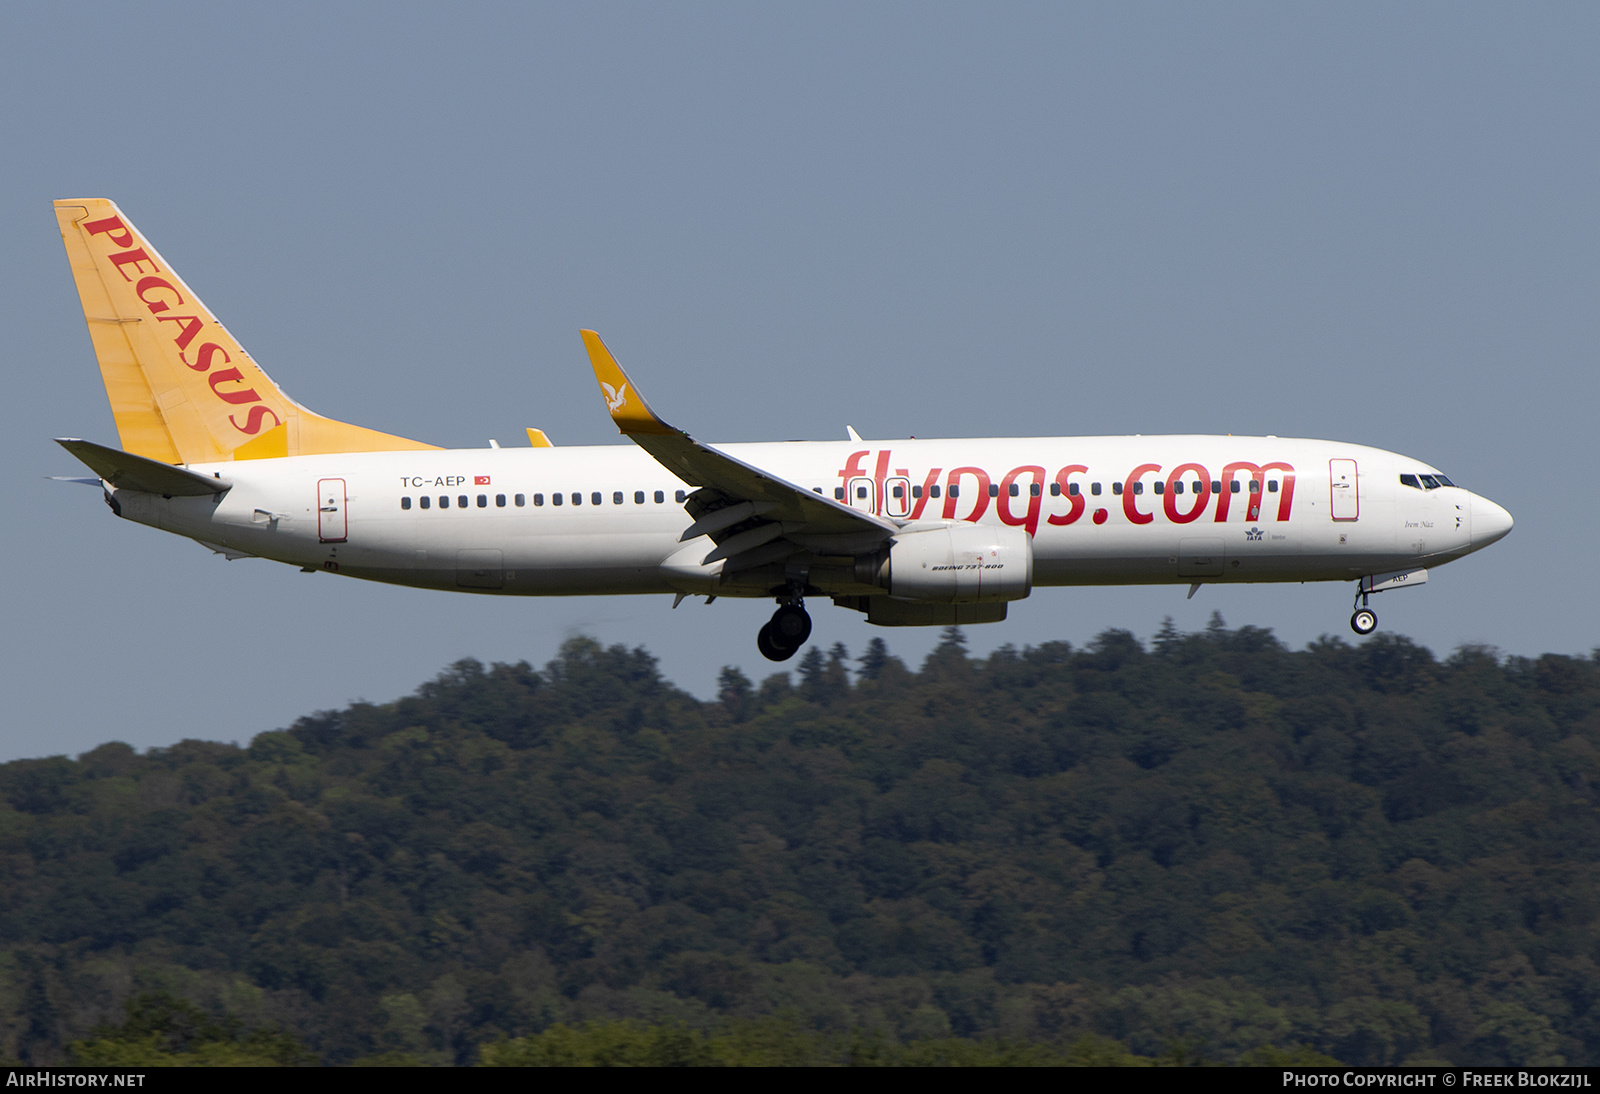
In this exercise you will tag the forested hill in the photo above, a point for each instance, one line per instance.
(1205, 847)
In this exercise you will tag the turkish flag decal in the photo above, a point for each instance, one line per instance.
(480, 480)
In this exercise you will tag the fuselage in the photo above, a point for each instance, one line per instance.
(608, 519)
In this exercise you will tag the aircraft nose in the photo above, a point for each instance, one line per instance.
(1489, 522)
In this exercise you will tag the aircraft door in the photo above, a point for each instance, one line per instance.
(332, 520)
(862, 494)
(1346, 501)
(896, 496)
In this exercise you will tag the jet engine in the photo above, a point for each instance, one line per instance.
(959, 564)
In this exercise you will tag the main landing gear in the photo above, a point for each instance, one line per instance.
(787, 630)
(1365, 620)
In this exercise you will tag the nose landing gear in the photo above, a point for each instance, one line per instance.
(787, 630)
(1365, 620)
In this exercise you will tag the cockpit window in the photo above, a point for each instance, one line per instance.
(1411, 481)
(1429, 482)
(1444, 481)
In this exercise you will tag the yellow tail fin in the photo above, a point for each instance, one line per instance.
(181, 389)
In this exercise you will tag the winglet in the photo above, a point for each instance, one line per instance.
(628, 408)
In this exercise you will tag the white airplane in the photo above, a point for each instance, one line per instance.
(910, 532)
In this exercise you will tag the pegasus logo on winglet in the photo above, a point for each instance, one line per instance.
(615, 397)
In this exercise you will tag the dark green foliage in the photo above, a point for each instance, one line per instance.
(161, 1030)
(1214, 849)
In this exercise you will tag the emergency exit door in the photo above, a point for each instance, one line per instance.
(1345, 503)
(332, 525)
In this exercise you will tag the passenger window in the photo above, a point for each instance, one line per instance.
(1198, 487)
(616, 497)
(1055, 490)
(816, 489)
(577, 498)
(499, 501)
(1138, 487)
(1094, 488)
(483, 501)
(1072, 488)
(899, 491)
(405, 503)
(1033, 490)
(680, 496)
(1116, 488)
(994, 489)
(661, 496)
(1233, 486)
(444, 501)
(1015, 490)
(557, 499)
(638, 497)
(838, 493)
(916, 491)
(461, 501)
(1216, 486)
(955, 490)
(423, 501)
(861, 492)
(1272, 486)
(595, 498)
(1161, 487)
(933, 491)
(1255, 487)
(1177, 488)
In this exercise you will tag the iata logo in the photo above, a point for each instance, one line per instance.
(615, 398)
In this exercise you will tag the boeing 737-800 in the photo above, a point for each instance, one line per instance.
(909, 532)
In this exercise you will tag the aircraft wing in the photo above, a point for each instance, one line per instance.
(751, 514)
(126, 471)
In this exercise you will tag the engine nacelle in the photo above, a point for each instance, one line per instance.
(963, 564)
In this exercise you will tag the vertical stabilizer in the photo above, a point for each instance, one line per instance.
(182, 390)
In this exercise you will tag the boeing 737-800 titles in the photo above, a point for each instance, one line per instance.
(910, 532)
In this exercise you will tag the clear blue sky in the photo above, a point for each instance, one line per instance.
(1372, 222)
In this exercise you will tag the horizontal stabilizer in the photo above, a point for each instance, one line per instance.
(125, 471)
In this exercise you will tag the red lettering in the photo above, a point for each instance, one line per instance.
(951, 492)
(252, 423)
(156, 306)
(1170, 501)
(881, 473)
(1129, 509)
(119, 233)
(925, 493)
(231, 376)
(1075, 500)
(132, 258)
(852, 467)
(1030, 520)
(1257, 476)
(191, 327)
(1285, 499)
(207, 351)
